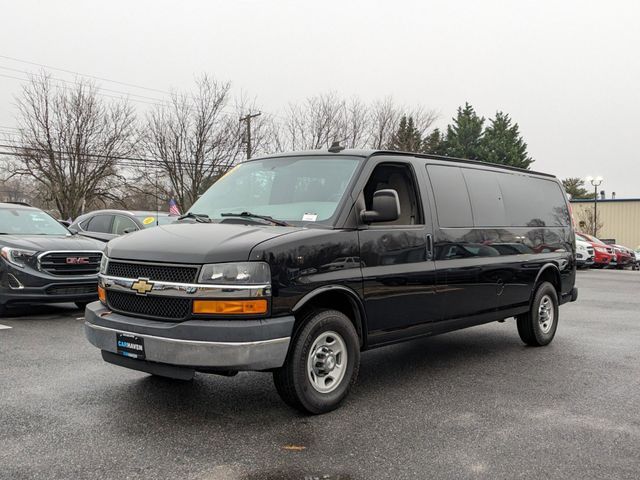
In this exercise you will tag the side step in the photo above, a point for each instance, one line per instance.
(161, 369)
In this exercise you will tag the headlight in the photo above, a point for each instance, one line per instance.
(16, 256)
(103, 264)
(241, 273)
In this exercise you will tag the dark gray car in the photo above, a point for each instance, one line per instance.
(106, 225)
(42, 262)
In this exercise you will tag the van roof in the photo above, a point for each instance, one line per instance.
(368, 153)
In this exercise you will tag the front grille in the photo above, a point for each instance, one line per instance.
(155, 307)
(590, 251)
(159, 273)
(71, 263)
(73, 289)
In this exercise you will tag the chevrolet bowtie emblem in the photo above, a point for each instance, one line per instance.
(142, 286)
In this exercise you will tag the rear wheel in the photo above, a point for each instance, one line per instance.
(322, 363)
(538, 327)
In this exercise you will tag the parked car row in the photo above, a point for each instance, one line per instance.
(43, 261)
(593, 252)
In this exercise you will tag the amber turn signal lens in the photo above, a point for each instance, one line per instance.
(102, 294)
(232, 307)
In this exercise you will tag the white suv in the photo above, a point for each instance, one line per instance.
(584, 253)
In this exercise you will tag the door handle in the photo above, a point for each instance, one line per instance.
(429, 239)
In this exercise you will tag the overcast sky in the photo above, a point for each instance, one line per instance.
(567, 71)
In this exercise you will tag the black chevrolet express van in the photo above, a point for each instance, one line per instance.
(296, 263)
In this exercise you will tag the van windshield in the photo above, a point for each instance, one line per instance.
(292, 189)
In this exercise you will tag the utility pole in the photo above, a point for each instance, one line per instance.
(247, 119)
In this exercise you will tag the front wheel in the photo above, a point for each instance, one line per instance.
(538, 327)
(322, 363)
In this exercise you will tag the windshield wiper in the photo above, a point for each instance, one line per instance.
(198, 217)
(280, 223)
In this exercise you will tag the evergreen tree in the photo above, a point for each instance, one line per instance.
(502, 143)
(406, 138)
(574, 186)
(434, 143)
(464, 136)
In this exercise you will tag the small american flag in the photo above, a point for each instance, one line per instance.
(173, 207)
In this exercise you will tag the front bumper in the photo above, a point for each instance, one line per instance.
(29, 286)
(198, 344)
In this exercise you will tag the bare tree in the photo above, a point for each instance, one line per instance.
(192, 141)
(70, 141)
(588, 222)
(385, 120)
(385, 117)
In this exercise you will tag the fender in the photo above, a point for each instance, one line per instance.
(351, 294)
(556, 274)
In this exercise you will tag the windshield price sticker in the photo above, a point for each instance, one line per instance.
(148, 220)
(309, 217)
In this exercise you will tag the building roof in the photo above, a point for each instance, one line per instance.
(591, 200)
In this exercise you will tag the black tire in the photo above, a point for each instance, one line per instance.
(532, 328)
(292, 380)
(82, 305)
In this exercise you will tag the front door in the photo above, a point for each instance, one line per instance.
(398, 272)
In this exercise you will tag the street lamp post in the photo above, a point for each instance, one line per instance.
(596, 183)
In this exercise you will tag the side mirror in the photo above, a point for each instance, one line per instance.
(385, 207)
(129, 230)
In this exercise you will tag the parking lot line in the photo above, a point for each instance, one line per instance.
(4, 327)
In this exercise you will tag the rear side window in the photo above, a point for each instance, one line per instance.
(467, 197)
(100, 224)
(533, 202)
(452, 199)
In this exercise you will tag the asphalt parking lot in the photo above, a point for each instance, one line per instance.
(471, 404)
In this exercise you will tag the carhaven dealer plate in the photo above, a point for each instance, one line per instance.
(130, 345)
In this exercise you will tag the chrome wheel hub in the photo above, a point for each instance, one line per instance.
(327, 361)
(546, 314)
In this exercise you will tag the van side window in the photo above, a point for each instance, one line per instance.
(486, 198)
(452, 198)
(399, 177)
(533, 202)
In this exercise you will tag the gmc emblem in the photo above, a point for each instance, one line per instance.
(77, 260)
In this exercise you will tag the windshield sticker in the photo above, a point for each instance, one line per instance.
(148, 220)
(309, 217)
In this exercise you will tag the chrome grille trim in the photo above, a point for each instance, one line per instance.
(187, 290)
(70, 272)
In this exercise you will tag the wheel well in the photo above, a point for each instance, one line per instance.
(551, 275)
(335, 300)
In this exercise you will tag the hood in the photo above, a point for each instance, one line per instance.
(582, 243)
(43, 243)
(194, 242)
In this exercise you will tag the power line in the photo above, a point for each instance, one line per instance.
(95, 157)
(76, 83)
(98, 92)
(72, 72)
(84, 74)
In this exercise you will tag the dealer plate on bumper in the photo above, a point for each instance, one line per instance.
(130, 345)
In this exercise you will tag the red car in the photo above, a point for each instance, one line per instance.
(603, 254)
(624, 256)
